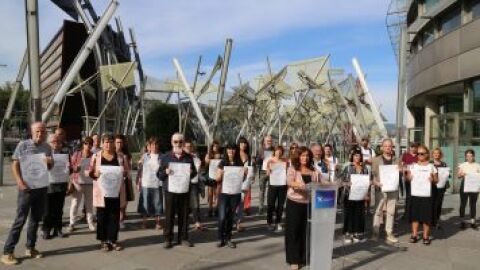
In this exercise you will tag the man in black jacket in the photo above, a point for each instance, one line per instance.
(176, 202)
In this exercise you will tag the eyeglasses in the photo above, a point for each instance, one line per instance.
(421, 153)
(177, 142)
(86, 143)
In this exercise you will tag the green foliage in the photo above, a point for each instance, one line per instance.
(162, 122)
(20, 107)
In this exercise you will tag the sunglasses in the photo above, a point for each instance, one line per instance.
(177, 142)
(86, 143)
(422, 153)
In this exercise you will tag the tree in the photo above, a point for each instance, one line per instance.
(162, 122)
(20, 107)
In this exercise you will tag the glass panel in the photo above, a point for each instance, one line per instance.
(451, 21)
(476, 95)
(475, 6)
(454, 104)
(430, 5)
(428, 35)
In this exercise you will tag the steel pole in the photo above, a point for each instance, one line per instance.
(31, 7)
(223, 80)
(401, 89)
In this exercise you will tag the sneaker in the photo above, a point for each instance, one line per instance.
(356, 239)
(9, 259)
(46, 235)
(91, 227)
(186, 243)
(391, 238)
(279, 228)
(474, 226)
(33, 253)
(231, 244)
(221, 244)
(271, 227)
(70, 228)
(294, 267)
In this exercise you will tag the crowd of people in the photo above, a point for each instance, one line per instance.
(98, 176)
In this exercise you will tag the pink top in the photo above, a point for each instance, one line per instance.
(98, 196)
(298, 195)
(75, 162)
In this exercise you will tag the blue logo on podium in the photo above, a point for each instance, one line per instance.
(324, 199)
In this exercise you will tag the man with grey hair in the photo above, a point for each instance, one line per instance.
(176, 203)
(31, 196)
(388, 200)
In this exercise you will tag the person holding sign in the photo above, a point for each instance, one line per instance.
(299, 175)
(150, 203)
(388, 196)
(107, 168)
(212, 159)
(244, 206)
(32, 159)
(264, 154)
(121, 146)
(57, 189)
(176, 170)
(422, 176)
(82, 184)
(356, 182)
(277, 189)
(438, 190)
(469, 171)
(196, 187)
(230, 176)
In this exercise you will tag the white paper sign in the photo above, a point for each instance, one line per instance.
(83, 174)
(266, 157)
(212, 168)
(278, 174)
(443, 174)
(420, 184)
(61, 169)
(359, 187)
(389, 177)
(179, 180)
(111, 180)
(472, 182)
(149, 175)
(233, 179)
(34, 170)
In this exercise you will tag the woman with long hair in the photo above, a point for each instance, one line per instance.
(277, 190)
(299, 175)
(214, 153)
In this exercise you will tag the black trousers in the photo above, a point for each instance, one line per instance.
(195, 202)
(353, 216)
(296, 232)
(29, 203)
(407, 197)
(438, 194)
(52, 218)
(464, 198)
(227, 204)
(276, 201)
(108, 220)
(176, 204)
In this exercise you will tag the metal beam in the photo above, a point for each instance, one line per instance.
(189, 92)
(402, 89)
(31, 7)
(80, 59)
(223, 80)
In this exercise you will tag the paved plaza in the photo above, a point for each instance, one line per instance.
(258, 248)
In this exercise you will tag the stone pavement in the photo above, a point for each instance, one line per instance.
(257, 247)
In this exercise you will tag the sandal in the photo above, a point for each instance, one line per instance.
(105, 247)
(427, 241)
(117, 247)
(413, 239)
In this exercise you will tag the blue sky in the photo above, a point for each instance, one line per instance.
(284, 30)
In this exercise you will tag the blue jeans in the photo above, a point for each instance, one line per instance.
(33, 202)
(227, 204)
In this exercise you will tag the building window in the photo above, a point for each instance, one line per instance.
(476, 95)
(451, 21)
(429, 5)
(428, 35)
(450, 104)
(475, 8)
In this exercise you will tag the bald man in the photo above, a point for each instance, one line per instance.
(31, 196)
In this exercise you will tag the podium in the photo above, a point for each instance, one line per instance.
(322, 225)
